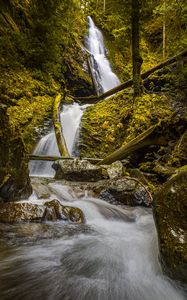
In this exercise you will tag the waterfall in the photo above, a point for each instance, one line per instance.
(102, 73)
(70, 119)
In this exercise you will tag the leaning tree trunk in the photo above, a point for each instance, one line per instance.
(136, 57)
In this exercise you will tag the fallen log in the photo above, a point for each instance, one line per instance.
(58, 128)
(152, 136)
(54, 158)
(129, 83)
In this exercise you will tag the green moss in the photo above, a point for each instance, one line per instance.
(148, 110)
(30, 102)
(170, 214)
(117, 120)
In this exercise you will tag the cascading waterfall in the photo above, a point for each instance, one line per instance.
(70, 119)
(102, 73)
(114, 256)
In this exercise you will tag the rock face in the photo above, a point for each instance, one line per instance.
(78, 170)
(14, 212)
(170, 211)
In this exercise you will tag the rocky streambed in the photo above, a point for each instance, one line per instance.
(81, 193)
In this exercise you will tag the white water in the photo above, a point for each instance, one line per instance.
(70, 119)
(108, 258)
(105, 79)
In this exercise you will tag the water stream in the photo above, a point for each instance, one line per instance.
(114, 256)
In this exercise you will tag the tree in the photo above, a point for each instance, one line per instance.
(136, 56)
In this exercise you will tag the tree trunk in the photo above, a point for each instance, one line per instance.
(136, 57)
(58, 128)
(164, 32)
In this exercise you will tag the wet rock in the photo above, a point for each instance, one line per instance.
(73, 214)
(58, 208)
(126, 191)
(41, 189)
(170, 211)
(78, 170)
(51, 211)
(18, 212)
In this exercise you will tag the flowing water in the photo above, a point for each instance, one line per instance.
(114, 256)
(70, 119)
(102, 73)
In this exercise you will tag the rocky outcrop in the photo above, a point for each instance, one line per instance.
(28, 212)
(170, 211)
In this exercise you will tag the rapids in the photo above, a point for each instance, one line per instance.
(113, 256)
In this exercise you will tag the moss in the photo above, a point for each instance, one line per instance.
(32, 103)
(179, 154)
(169, 208)
(117, 120)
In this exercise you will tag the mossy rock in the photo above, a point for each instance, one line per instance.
(127, 191)
(78, 170)
(170, 211)
(21, 212)
(73, 214)
(28, 212)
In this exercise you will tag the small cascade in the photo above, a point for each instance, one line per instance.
(70, 119)
(102, 73)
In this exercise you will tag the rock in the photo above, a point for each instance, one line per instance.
(18, 212)
(78, 170)
(14, 212)
(170, 211)
(115, 170)
(127, 191)
(58, 208)
(41, 189)
(73, 214)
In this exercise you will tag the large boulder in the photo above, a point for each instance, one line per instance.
(15, 212)
(18, 212)
(78, 170)
(127, 191)
(170, 211)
